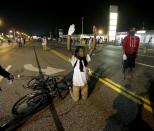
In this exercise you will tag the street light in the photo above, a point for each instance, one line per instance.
(1, 22)
(17, 32)
(100, 32)
(10, 31)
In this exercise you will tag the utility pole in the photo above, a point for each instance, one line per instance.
(82, 24)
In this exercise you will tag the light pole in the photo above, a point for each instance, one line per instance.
(82, 24)
(14, 33)
(1, 22)
(50, 34)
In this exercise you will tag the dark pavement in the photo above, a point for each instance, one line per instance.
(105, 110)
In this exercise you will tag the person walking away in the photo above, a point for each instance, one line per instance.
(101, 40)
(79, 61)
(44, 43)
(19, 42)
(9, 41)
(22, 40)
(97, 40)
(130, 50)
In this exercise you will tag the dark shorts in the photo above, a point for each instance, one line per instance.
(130, 62)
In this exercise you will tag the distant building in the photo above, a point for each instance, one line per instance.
(146, 37)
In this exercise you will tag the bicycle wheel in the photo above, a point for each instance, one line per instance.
(31, 104)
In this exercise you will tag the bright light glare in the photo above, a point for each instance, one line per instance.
(100, 32)
(141, 32)
(112, 33)
(114, 16)
(10, 31)
(35, 37)
(11, 36)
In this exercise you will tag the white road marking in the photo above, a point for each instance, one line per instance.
(31, 67)
(47, 71)
(145, 55)
(144, 65)
(7, 69)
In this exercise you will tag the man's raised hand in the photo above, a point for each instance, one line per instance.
(71, 29)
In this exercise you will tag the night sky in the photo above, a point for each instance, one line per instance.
(38, 17)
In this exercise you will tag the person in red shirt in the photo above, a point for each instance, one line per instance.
(130, 46)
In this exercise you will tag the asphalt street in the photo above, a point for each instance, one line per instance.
(114, 104)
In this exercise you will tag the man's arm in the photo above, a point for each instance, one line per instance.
(93, 47)
(124, 44)
(4, 73)
(69, 42)
(69, 45)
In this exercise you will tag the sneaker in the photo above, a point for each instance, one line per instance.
(10, 82)
(10, 79)
(70, 88)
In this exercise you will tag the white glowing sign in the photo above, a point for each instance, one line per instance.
(113, 22)
(141, 32)
(113, 16)
(111, 27)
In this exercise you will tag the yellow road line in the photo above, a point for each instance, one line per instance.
(124, 89)
(138, 101)
(144, 65)
(7, 69)
(118, 88)
(59, 54)
(128, 91)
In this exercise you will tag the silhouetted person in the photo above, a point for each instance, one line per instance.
(138, 124)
